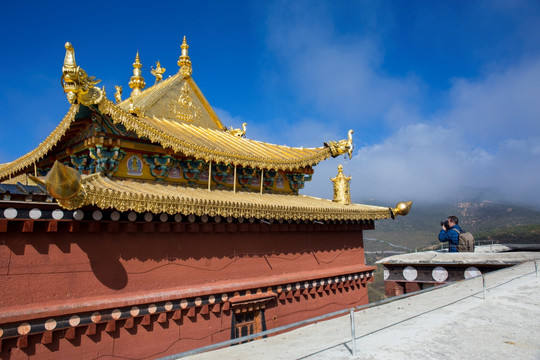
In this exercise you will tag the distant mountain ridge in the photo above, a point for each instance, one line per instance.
(422, 225)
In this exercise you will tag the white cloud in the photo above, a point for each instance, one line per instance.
(487, 140)
(412, 163)
(418, 163)
(484, 138)
(505, 103)
(338, 75)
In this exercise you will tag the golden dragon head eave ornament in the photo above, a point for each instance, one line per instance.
(78, 86)
(341, 147)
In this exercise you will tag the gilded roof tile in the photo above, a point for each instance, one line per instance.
(215, 145)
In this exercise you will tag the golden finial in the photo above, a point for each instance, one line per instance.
(69, 74)
(401, 208)
(183, 61)
(136, 82)
(342, 192)
(158, 72)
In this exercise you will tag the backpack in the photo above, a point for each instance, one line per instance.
(466, 242)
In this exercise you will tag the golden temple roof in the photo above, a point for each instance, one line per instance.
(208, 144)
(174, 114)
(125, 195)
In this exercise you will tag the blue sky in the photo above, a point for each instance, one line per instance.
(443, 96)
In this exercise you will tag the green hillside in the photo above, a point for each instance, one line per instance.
(524, 234)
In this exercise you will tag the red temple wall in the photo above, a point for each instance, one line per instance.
(157, 340)
(45, 267)
(45, 274)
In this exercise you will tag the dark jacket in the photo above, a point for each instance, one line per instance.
(452, 237)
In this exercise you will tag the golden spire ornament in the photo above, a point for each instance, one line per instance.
(136, 82)
(183, 61)
(342, 192)
(402, 208)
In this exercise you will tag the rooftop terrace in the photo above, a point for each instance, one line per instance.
(454, 321)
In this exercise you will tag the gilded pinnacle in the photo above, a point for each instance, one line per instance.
(136, 82)
(137, 63)
(183, 61)
(184, 45)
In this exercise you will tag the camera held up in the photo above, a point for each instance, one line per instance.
(445, 224)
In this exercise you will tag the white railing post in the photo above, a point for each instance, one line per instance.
(484, 285)
(353, 333)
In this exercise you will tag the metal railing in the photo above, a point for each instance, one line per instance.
(350, 311)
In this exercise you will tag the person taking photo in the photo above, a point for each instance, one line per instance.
(450, 233)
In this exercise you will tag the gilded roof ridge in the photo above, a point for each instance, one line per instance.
(242, 138)
(287, 146)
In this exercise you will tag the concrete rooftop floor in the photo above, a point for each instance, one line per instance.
(451, 322)
(487, 255)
